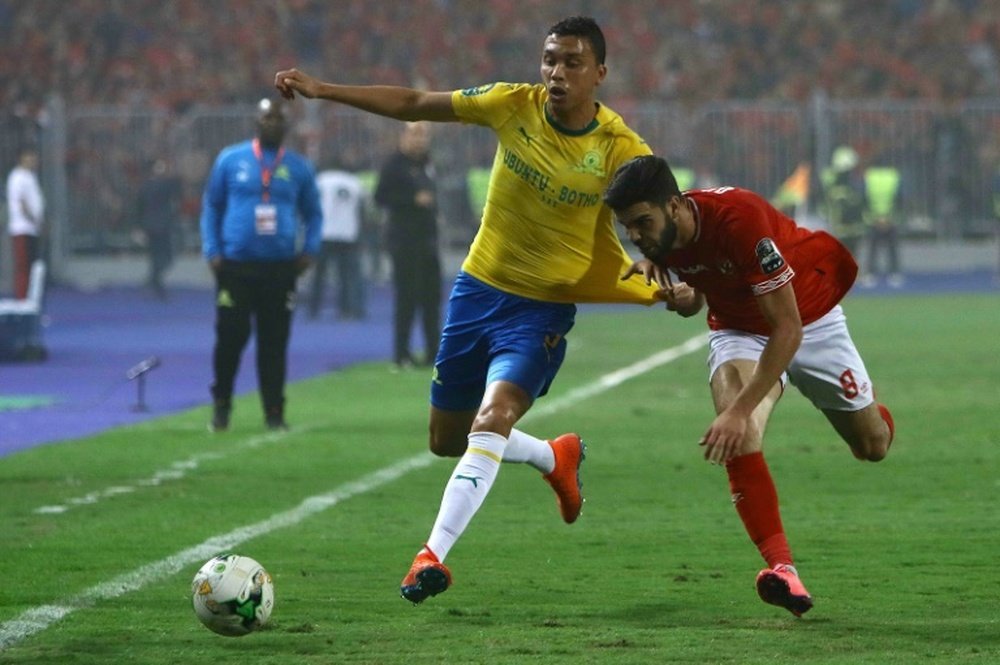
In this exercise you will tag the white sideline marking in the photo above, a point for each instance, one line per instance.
(619, 377)
(176, 471)
(39, 618)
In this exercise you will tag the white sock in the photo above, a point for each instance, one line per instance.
(469, 484)
(523, 448)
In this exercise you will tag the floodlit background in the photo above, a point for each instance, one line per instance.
(731, 91)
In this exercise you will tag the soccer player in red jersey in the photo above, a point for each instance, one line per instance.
(773, 290)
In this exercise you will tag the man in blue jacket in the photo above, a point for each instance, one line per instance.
(257, 196)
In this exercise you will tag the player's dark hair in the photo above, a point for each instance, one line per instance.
(645, 179)
(586, 27)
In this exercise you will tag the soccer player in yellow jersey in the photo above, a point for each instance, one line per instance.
(546, 242)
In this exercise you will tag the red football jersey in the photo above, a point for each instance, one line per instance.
(744, 247)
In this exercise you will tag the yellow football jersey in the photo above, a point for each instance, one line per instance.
(546, 233)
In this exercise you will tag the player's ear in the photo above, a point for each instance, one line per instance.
(602, 71)
(672, 207)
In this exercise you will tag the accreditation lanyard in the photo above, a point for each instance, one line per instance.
(266, 170)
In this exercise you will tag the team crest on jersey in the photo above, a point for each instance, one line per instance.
(726, 267)
(768, 256)
(478, 90)
(592, 163)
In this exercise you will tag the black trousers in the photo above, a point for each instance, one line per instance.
(883, 239)
(416, 278)
(262, 293)
(161, 256)
(346, 257)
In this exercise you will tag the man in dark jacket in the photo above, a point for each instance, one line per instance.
(406, 190)
(158, 205)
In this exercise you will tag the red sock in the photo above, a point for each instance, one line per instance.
(756, 501)
(887, 417)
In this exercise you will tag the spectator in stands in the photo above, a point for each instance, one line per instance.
(143, 56)
(25, 211)
(147, 51)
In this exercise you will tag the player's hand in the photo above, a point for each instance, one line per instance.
(724, 437)
(682, 298)
(290, 81)
(650, 272)
(215, 263)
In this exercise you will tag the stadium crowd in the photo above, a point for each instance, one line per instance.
(123, 60)
(175, 54)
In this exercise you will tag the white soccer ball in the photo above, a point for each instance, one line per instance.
(232, 595)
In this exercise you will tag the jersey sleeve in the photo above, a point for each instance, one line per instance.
(628, 146)
(752, 241)
(489, 105)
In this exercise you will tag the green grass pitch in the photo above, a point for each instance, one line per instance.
(101, 536)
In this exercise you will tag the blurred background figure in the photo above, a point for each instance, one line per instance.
(157, 211)
(25, 210)
(843, 198)
(882, 188)
(996, 215)
(915, 79)
(257, 197)
(406, 188)
(343, 197)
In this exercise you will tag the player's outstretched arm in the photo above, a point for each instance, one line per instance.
(391, 101)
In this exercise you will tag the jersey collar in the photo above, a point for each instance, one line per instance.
(571, 132)
(697, 218)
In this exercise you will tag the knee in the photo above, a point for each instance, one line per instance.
(495, 417)
(871, 448)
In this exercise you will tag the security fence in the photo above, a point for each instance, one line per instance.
(95, 158)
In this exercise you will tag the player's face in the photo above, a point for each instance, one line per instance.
(570, 72)
(650, 228)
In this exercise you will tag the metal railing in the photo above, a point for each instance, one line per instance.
(94, 158)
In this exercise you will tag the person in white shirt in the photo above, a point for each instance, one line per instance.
(25, 207)
(343, 199)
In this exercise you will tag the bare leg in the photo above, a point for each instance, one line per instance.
(865, 431)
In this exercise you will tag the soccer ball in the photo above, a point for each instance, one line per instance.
(232, 595)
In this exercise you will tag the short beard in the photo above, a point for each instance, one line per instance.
(664, 243)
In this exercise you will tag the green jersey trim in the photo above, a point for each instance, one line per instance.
(569, 132)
